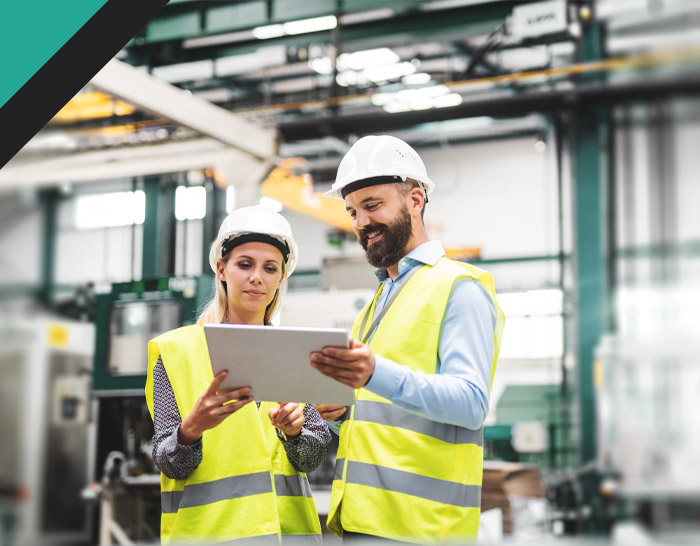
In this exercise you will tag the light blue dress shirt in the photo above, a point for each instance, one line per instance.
(458, 393)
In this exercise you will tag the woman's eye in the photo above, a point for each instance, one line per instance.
(271, 269)
(244, 265)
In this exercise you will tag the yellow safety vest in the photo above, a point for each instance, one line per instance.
(245, 486)
(398, 475)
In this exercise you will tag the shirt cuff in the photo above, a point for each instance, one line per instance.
(196, 446)
(386, 377)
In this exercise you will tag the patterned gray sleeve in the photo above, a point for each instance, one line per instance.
(174, 460)
(307, 451)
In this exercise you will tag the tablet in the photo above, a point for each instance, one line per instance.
(275, 362)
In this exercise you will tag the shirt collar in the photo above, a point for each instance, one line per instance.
(427, 253)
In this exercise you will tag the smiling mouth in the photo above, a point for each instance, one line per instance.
(373, 236)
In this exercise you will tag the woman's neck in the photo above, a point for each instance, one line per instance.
(241, 317)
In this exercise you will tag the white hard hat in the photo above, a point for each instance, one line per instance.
(255, 223)
(378, 160)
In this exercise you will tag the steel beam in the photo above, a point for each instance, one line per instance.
(517, 104)
(143, 90)
(130, 161)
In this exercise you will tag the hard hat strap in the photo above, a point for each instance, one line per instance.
(230, 244)
(367, 182)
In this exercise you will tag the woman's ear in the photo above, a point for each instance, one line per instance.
(220, 270)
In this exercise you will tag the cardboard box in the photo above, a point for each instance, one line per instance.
(517, 490)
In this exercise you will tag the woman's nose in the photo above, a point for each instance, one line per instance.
(255, 276)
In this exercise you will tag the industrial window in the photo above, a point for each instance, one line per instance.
(190, 202)
(534, 324)
(110, 209)
(230, 199)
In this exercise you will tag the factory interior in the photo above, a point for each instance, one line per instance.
(563, 137)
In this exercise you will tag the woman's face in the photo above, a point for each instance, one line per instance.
(252, 273)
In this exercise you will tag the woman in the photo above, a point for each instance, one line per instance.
(232, 469)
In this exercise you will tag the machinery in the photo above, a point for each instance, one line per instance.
(126, 318)
(48, 425)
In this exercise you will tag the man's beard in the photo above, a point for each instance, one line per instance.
(395, 237)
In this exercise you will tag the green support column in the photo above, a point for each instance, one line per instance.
(590, 156)
(49, 204)
(216, 212)
(151, 261)
(158, 228)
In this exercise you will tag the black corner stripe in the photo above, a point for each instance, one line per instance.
(70, 69)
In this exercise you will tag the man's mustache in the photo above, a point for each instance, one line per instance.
(372, 228)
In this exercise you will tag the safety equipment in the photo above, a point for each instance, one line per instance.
(245, 486)
(399, 475)
(371, 159)
(255, 219)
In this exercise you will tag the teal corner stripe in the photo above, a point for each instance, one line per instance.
(31, 32)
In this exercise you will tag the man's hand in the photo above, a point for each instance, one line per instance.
(289, 418)
(329, 412)
(211, 409)
(352, 367)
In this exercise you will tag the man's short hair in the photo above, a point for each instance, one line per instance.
(406, 186)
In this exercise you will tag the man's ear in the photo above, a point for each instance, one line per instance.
(417, 199)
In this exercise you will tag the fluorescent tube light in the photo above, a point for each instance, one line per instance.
(418, 78)
(453, 99)
(322, 65)
(268, 31)
(389, 72)
(359, 60)
(396, 107)
(315, 24)
(382, 99)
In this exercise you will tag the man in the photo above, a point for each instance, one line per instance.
(423, 354)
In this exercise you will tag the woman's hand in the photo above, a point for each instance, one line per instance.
(289, 418)
(330, 412)
(211, 409)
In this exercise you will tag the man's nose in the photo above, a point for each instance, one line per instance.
(361, 220)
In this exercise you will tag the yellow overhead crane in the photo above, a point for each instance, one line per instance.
(296, 192)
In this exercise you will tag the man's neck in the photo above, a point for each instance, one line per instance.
(393, 270)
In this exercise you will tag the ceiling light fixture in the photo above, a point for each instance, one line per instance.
(419, 78)
(359, 60)
(321, 65)
(389, 72)
(268, 31)
(446, 101)
(315, 24)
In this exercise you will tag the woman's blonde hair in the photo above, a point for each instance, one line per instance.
(216, 311)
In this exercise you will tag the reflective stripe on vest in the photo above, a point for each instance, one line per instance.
(381, 477)
(201, 494)
(388, 414)
(292, 486)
